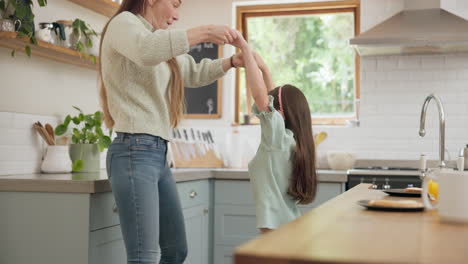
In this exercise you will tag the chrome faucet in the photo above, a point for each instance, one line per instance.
(422, 124)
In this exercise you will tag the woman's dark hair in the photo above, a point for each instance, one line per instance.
(303, 182)
(175, 96)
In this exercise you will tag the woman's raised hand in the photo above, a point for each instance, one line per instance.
(239, 41)
(221, 35)
(212, 33)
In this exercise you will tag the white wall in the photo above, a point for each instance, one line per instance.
(421, 4)
(40, 86)
(458, 7)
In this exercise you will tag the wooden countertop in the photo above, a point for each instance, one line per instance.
(98, 182)
(340, 231)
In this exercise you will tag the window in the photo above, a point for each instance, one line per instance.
(306, 45)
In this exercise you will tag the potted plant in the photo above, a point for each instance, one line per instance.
(20, 11)
(88, 140)
(83, 39)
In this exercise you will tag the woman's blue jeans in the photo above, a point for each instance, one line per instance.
(147, 199)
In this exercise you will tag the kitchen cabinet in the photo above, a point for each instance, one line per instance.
(77, 228)
(196, 202)
(54, 219)
(106, 246)
(47, 228)
(235, 214)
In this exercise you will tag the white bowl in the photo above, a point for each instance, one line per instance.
(341, 160)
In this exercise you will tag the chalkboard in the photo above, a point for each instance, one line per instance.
(206, 101)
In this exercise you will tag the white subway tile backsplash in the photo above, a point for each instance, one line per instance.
(18, 167)
(456, 61)
(398, 75)
(433, 62)
(462, 74)
(376, 76)
(370, 64)
(445, 75)
(24, 121)
(418, 75)
(391, 101)
(6, 119)
(387, 64)
(21, 147)
(431, 87)
(456, 109)
(409, 62)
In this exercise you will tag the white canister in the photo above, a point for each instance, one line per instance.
(46, 33)
(56, 160)
(234, 150)
(9, 25)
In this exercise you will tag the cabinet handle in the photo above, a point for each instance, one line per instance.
(114, 208)
(193, 194)
(205, 211)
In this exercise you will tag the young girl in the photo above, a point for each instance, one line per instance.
(282, 172)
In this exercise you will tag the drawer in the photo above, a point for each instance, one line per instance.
(103, 212)
(233, 192)
(107, 246)
(194, 193)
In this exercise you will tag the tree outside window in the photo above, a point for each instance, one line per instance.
(311, 52)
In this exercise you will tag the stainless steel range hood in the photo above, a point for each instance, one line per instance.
(423, 31)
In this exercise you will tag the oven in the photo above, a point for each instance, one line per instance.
(384, 177)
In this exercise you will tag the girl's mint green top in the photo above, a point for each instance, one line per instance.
(271, 169)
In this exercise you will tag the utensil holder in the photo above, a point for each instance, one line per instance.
(56, 160)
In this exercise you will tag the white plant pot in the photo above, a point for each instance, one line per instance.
(56, 160)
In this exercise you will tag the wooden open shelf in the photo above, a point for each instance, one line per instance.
(46, 50)
(103, 7)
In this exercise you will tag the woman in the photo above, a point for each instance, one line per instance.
(144, 68)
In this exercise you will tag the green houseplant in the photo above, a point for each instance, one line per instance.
(82, 30)
(21, 10)
(88, 139)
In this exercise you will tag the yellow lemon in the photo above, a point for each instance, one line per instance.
(433, 189)
(319, 138)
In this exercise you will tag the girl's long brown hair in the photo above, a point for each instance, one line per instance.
(175, 95)
(303, 182)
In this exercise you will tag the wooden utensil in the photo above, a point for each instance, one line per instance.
(42, 132)
(50, 131)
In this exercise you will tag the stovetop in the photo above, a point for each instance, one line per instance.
(384, 170)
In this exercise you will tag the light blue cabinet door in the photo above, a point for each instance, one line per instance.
(325, 192)
(235, 214)
(106, 246)
(197, 230)
(234, 224)
(223, 255)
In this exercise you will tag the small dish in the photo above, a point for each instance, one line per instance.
(401, 192)
(416, 206)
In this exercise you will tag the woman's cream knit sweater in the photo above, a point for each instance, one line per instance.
(137, 78)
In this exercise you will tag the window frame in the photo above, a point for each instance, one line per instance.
(248, 11)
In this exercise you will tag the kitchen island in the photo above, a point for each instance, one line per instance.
(341, 231)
